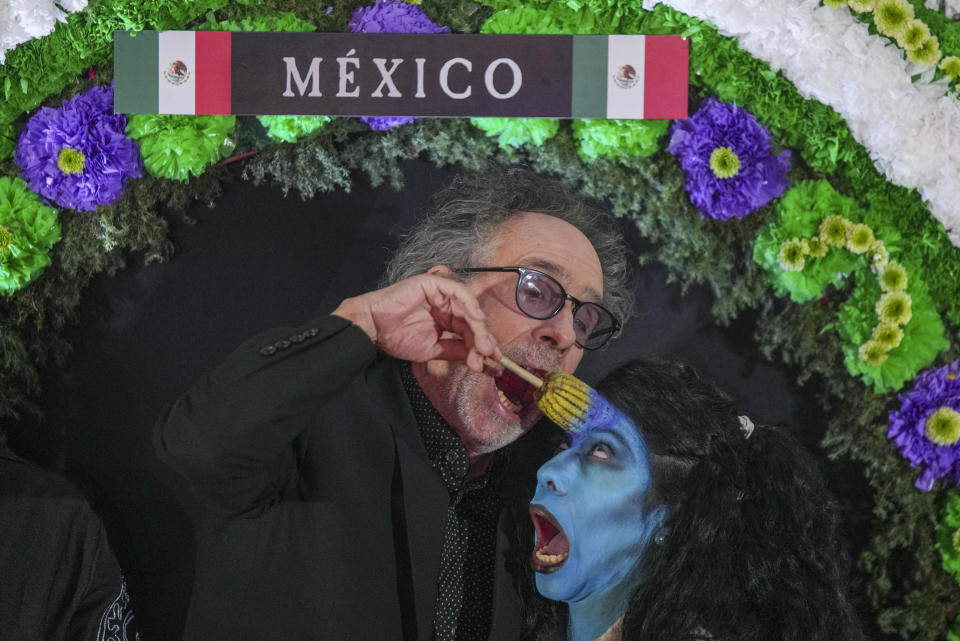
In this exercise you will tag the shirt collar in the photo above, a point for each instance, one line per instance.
(444, 448)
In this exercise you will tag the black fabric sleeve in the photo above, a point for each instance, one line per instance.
(232, 435)
(103, 611)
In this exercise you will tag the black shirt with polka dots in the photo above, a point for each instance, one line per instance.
(465, 585)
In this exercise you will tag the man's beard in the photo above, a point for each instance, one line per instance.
(486, 429)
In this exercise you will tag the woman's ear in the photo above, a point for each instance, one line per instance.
(440, 270)
(655, 524)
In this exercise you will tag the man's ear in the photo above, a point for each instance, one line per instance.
(440, 270)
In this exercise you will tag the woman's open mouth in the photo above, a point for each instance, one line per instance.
(552, 548)
(514, 393)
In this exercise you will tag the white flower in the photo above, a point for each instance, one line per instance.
(910, 129)
(24, 20)
(949, 7)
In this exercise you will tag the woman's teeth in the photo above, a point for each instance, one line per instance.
(510, 405)
(550, 558)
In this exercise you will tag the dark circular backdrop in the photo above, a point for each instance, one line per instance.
(260, 260)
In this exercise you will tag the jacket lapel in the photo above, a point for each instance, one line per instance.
(506, 616)
(419, 502)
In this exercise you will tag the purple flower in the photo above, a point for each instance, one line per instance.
(926, 428)
(78, 156)
(382, 123)
(725, 154)
(391, 17)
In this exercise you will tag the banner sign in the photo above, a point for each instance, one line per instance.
(433, 75)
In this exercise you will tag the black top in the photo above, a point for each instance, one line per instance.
(59, 579)
(465, 585)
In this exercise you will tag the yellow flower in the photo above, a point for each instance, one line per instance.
(859, 238)
(888, 335)
(893, 278)
(926, 53)
(951, 66)
(914, 35)
(816, 248)
(891, 17)
(943, 426)
(872, 353)
(861, 6)
(724, 162)
(71, 161)
(833, 230)
(6, 239)
(894, 307)
(791, 255)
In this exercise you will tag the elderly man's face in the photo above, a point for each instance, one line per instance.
(474, 403)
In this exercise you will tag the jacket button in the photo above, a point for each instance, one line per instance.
(269, 350)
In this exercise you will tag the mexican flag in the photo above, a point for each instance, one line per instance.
(173, 72)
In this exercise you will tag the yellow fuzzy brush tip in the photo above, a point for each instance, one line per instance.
(565, 399)
(569, 402)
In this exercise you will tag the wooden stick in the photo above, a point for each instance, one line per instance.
(521, 372)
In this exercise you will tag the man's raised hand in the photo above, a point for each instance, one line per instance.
(422, 318)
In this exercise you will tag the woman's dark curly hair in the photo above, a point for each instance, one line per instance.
(751, 550)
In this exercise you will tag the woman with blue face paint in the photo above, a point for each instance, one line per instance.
(675, 518)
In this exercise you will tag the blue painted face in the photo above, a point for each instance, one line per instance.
(592, 527)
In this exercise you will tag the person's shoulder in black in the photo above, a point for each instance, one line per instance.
(60, 578)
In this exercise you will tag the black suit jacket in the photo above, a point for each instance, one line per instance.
(329, 519)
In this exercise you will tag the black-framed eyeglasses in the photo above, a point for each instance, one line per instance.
(540, 296)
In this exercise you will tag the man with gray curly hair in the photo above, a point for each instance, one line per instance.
(359, 461)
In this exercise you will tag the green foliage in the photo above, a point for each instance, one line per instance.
(616, 15)
(259, 19)
(326, 161)
(948, 533)
(39, 68)
(179, 146)
(28, 230)
(555, 19)
(292, 128)
(517, 132)
(8, 142)
(802, 208)
(954, 633)
(618, 138)
(462, 16)
(527, 19)
(923, 336)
